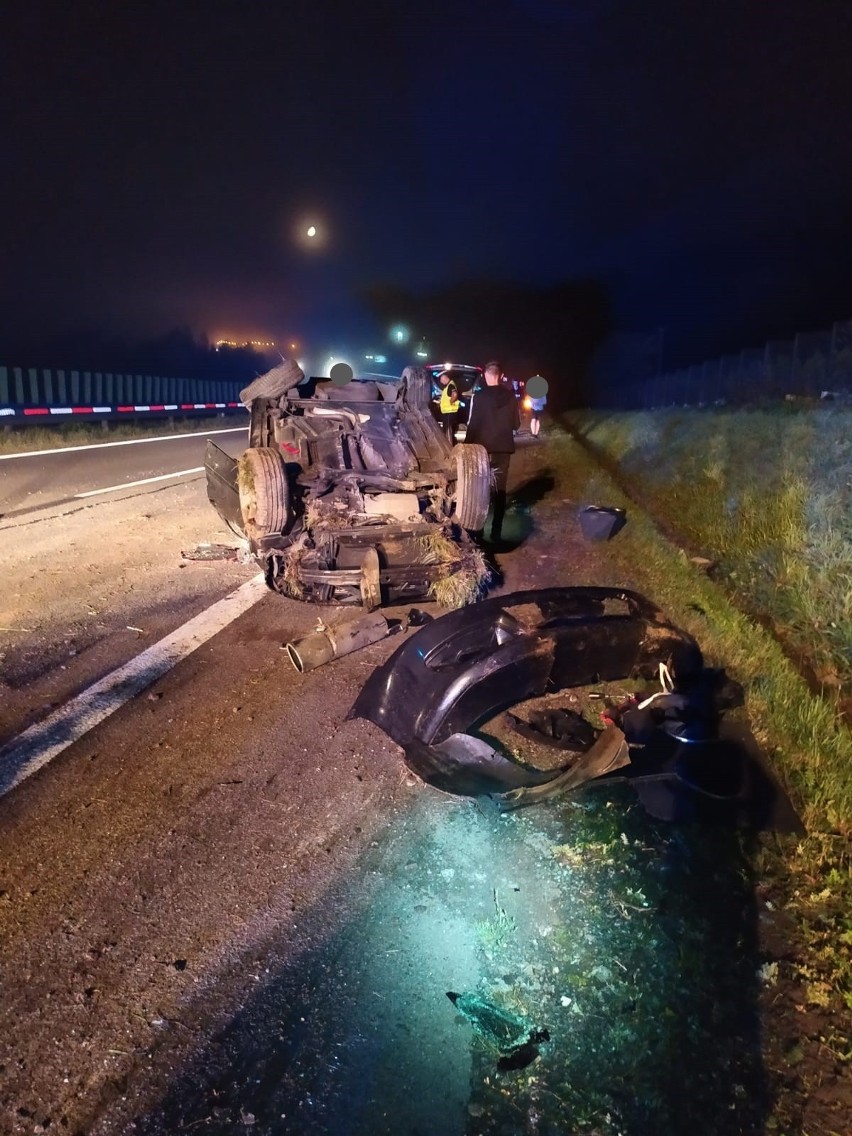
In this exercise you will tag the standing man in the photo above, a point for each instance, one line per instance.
(494, 418)
(449, 406)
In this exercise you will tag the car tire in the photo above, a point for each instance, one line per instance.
(264, 492)
(473, 485)
(418, 387)
(274, 383)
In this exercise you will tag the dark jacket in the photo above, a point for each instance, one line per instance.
(494, 417)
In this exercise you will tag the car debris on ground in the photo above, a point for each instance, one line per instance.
(444, 692)
(514, 1040)
(601, 522)
(350, 493)
(209, 552)
(327, 643)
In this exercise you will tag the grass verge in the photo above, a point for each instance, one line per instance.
(767, 495)
(809, 746)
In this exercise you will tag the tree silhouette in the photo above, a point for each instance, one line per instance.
(553, 331)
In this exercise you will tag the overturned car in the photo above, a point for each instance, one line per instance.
(349, 492)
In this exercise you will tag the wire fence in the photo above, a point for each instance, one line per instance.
(814, 365)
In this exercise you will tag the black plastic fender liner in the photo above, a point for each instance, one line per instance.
(609, 753)
(466, 666)
(467, 766)
(461, 669)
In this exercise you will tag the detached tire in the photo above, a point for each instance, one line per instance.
(274, 383)
(473, 485)
(418, 387)
(264, 492)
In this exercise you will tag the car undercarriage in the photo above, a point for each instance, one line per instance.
(352, 494)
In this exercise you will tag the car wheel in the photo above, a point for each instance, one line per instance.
(274, 383)
(418, 387)
(264, 492)
(473, 485)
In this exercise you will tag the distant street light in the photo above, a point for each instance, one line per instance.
(400, 333)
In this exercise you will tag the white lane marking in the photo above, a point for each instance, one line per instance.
(39, 744)
(125, 442)
(142, 481)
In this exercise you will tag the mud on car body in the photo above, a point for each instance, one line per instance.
(351, 494)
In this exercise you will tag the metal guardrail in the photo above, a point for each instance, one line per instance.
(42, 395)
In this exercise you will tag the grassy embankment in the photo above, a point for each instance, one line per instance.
(765, 495)
(21, 440)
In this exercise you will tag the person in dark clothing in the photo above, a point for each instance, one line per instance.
(494, 418)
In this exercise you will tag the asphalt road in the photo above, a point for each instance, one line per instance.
(30, 482)
(89, 582)
(226, 907)
(212, 832)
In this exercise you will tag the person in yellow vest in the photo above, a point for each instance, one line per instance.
(449, 406)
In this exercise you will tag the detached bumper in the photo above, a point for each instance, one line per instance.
(469, 665)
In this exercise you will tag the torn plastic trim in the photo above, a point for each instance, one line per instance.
(468, 766)
(462, 669)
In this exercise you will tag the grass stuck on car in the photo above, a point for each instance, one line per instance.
(350, 493)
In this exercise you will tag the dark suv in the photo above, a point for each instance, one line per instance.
(352, 494)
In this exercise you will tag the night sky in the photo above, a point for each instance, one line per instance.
(162, 161)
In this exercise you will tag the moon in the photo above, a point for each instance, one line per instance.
(312, 230)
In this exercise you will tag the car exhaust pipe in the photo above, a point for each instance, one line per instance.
(322, 646)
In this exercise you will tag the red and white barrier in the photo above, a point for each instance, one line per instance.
(19, 412)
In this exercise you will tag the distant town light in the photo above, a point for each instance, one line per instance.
(245, 343)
